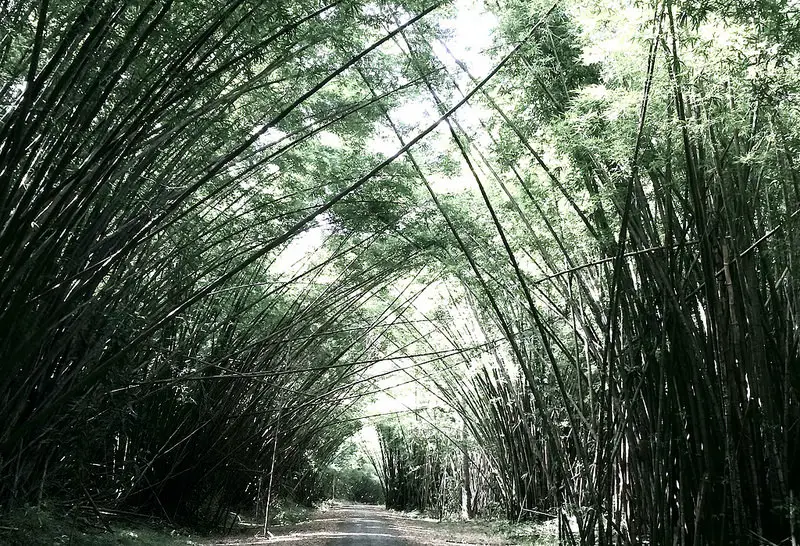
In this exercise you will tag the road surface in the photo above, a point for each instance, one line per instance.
(363, 525)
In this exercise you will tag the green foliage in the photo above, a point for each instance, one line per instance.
(618, 261)
(154, 154)
(350, 476)
(420, 466)
(550, 62)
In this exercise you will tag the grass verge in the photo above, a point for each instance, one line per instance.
(34, 526)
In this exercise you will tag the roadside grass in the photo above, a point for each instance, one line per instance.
(34, 526)
(521, 534)
(44, 526)
(286, 512)
(283, 512)
(528, 533)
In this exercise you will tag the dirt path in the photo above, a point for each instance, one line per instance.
(362, 525)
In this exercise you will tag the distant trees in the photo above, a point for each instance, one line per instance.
(426, 468)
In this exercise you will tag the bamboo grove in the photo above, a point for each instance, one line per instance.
(152, 361)
(603, 201)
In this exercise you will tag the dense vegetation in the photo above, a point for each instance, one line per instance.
(581, 245)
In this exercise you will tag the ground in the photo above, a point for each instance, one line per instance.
(333, 525)
(364, 525)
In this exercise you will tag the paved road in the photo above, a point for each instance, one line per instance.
(363, 525)
(355, 525)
